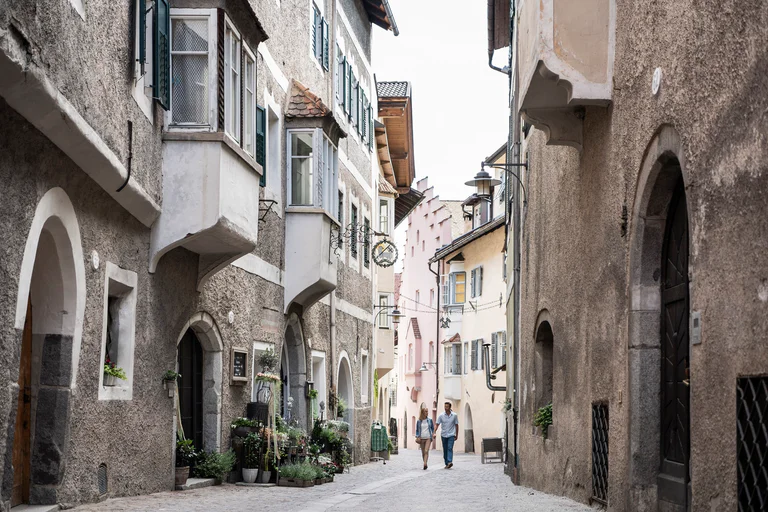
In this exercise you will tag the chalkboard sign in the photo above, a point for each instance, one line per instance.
(239, 366)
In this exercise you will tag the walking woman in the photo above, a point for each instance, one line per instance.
(424, 432)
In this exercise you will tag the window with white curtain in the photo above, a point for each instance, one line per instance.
(232, 49)
(249, 102)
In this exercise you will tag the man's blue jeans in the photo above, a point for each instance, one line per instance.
(448, 449)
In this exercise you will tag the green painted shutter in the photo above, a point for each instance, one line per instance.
(162, 61)
(371, 133)
(337, 81)
(347, 86)
(364, 117)
(261, 149)
(142, 33)
(325, 46)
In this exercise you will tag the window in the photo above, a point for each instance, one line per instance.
(364, 378)
(301, 169)
(418, 299)
(190, 62)
(432, 297)
(498, 349)
(152, 68)
(320, 35)
(476, 282)
(446, 289)
(366, 242)
(544, 365)
(431, 352)
(453, 359)
(477, 355)
(250, 109)
(232, 54)
(410, 356)
(458, 287)
(412, 249)
(437, 242)
(466, 356)
(340, 216)
(423, 245)
(272, 172)
(119, 330)
(418, 236)
(353, 238)
(384, 311)
(384, 216)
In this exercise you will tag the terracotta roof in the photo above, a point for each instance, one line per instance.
(415, 326)
(385, 187)
(304, 103)
(392, 89)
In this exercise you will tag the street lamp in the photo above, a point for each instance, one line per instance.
(424, 367)
(483, 181)
(395, 314)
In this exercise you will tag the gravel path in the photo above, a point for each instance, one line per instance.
(401, 484)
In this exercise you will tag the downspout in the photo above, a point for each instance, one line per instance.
(333, 352)
(437, 333)
(487, 363)
(515, 137)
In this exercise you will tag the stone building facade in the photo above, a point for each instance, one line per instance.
(134, 138)
(642, 264)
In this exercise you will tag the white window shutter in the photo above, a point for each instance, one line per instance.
(472, 283)
(480, 282)
(494, 350)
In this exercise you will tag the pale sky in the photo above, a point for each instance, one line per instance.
(459, 104)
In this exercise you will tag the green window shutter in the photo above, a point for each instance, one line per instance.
(348, 89)
(364, 117)
(337, 82)
(371, 133)
(347, 84)
(313, 28)
(162, 60)
(141, 28)
(325, 46)
(261, 149)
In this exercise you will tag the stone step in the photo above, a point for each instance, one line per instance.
(35, 508)
(195, 483)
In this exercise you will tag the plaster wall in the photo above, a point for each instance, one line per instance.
(575, 260)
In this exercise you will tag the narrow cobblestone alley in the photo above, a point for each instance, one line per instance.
(401, 484)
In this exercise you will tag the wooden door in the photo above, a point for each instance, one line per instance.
(675, 390)
(21, 448)
(191, 387)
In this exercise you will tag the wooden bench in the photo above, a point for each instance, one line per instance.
(491, 445)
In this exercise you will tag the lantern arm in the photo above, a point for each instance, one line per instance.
(503, 167)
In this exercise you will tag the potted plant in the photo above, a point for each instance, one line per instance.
(265, 471)
(341, 407)
(319, 474)
(112, 372)
(241, 427)
(171, 376)
(185, 455)
(215, 465)
(268, 361)
(251, 457)
(297, 475)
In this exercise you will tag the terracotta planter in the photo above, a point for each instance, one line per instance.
(250, 475)
(109, 380)
(264, 476)
(181, 475)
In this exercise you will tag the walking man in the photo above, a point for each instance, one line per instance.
(450, 423)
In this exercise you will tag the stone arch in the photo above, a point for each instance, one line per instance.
(469, 436)
(662, 170)
(50, 308)
(207, 333)
(293, 361)
(345, 389)
(543, 363)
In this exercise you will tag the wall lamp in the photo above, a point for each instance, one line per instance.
(424, 366)
(484, 182)
(395, 315)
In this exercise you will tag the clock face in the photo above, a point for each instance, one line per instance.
(384, 253)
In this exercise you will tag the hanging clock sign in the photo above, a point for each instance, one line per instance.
(384, 253)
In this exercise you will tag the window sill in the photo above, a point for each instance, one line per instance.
(311, 210)
(190, 136)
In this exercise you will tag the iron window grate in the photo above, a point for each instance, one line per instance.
(600, 453)
(102, 477)
(752, 442)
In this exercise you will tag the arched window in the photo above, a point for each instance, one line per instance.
(543, 364)
(410, 356)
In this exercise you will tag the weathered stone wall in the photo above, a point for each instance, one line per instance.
(575, 261)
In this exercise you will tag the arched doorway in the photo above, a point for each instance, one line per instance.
(659, 352)
(469, 436)
(346, 392)
(49, 315)
(293, 371)
(199, 359)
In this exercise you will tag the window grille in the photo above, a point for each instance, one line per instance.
(102, 479)
(189, 55)
(752, 442)
(600, 453)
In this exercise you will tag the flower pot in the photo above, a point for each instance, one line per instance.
(181, 475)
(264, 476)
(109, 380)
(250, 474)
(243, 431)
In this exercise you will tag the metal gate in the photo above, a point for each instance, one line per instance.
(752, 442)
(673, 477)
(600, 453)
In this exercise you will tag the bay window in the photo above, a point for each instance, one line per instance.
(313, 169)
(384, 216)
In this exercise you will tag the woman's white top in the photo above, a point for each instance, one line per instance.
(424, 431)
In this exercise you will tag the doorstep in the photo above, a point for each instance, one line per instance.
(245, 484)
(35, 508)
(196, 483)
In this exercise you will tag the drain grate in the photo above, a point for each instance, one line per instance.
(103, 482)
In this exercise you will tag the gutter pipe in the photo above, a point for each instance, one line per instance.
(391, 17)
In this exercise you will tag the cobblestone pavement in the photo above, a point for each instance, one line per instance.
(401, 484)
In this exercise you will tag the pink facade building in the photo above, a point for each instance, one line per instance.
(432, 224)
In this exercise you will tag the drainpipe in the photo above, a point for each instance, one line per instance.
(487, 362)
(437, 337)
(333, 353)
